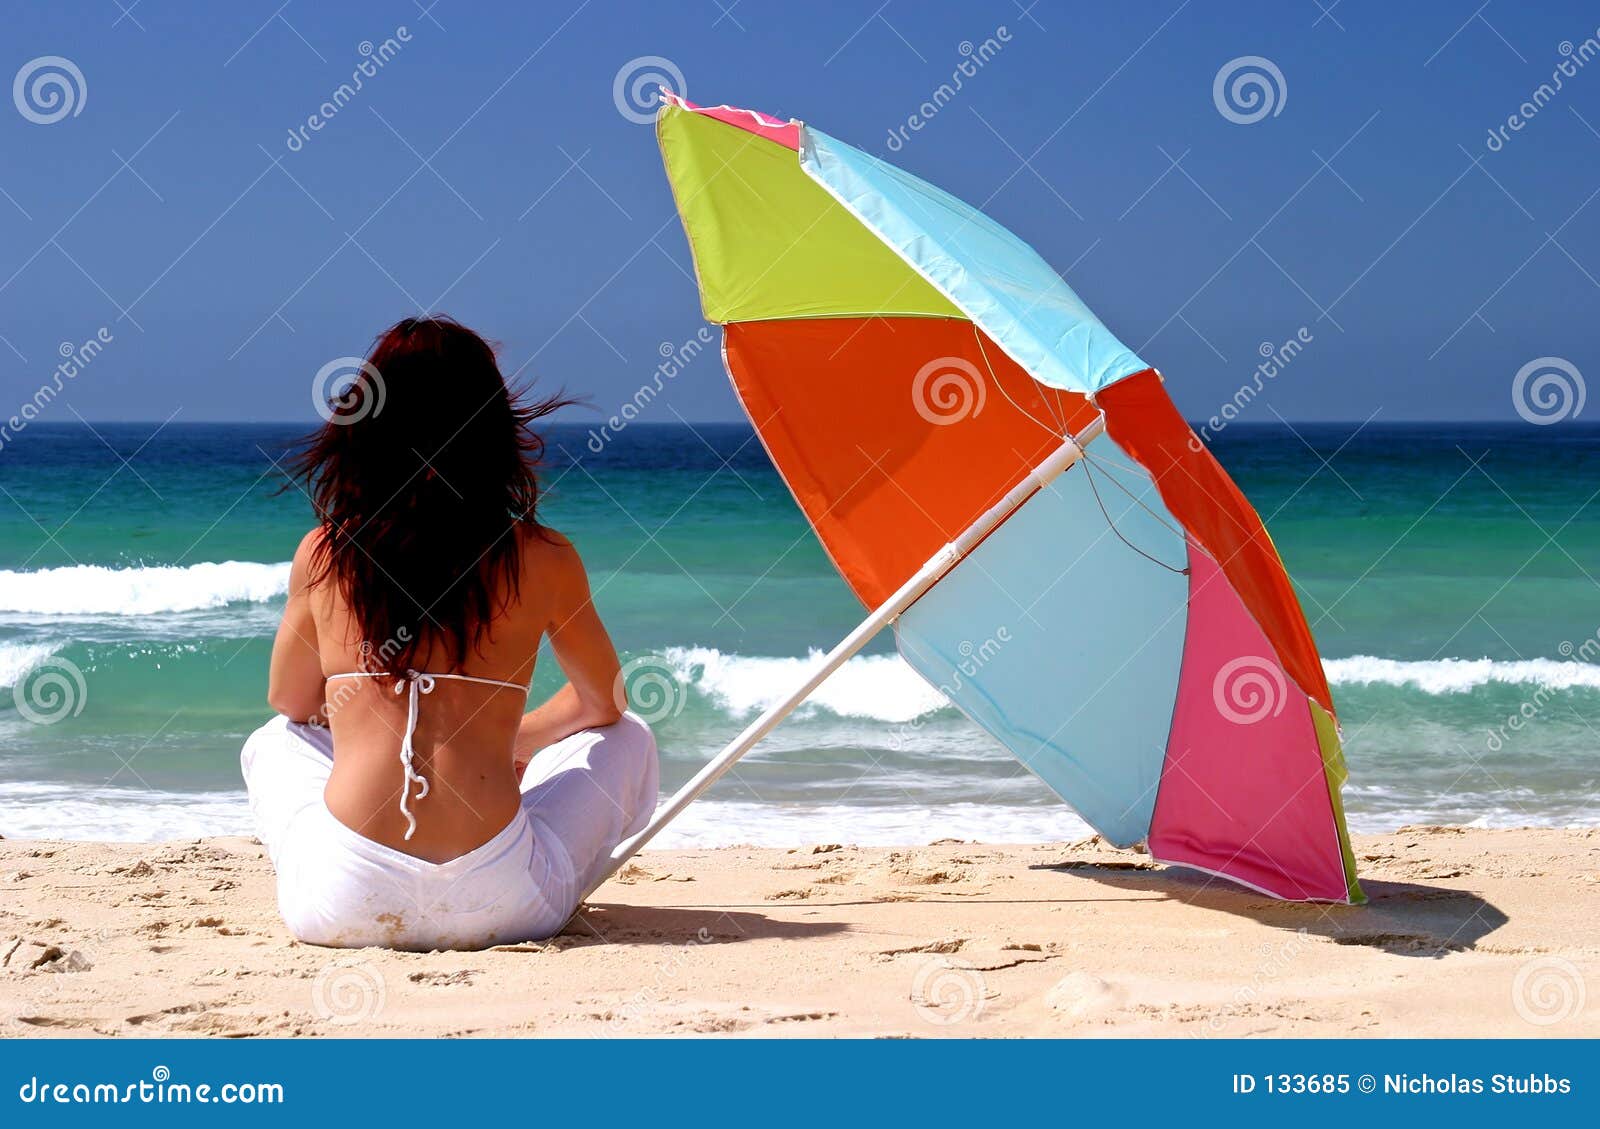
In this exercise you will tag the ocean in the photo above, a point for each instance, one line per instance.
(1448, 571)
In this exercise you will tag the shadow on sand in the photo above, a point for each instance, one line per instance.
(667, 925)
(1401, 918)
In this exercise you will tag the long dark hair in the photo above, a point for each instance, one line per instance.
(424, 479)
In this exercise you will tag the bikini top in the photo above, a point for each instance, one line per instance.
(415, 683)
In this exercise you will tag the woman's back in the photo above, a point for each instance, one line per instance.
(465, 730)
(394, 790)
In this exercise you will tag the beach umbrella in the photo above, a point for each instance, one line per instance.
(1000, 478)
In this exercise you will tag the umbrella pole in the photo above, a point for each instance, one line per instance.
(924, 578)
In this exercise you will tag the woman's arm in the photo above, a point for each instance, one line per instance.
(584, 652)
(295, 686)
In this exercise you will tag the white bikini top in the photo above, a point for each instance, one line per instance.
(419, 682)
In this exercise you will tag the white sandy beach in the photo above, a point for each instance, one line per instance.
(1468, 933)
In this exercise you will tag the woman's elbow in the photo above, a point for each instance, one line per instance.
(292, 706)
(603, 713)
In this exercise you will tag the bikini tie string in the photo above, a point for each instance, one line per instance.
(415, 683)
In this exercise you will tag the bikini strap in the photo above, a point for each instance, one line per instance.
(413, 684)
(413, 674)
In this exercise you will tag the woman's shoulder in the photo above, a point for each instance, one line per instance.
(309, 544)
(550, 555)
(536, 534)
(303, 566)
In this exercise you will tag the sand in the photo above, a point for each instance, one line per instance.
(1468, 932)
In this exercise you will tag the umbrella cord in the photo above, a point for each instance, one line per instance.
(1060, 425)
(1058, 430)
(1113, 525)
(1134, 498)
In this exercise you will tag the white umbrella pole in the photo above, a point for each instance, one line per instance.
(925, 577)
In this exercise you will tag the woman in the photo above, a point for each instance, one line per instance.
(404, 797)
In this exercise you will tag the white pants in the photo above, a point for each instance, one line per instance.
(580, 798)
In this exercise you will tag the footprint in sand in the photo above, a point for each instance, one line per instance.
(801, 1017)
(1083, 995)
(54, 1021)
(797, 893)
(165, 1015)
(633, 873)
(41, 956)
(951, 945)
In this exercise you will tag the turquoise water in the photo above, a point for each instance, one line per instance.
(1449, 573)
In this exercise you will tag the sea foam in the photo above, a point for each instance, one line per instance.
(51, 811)
(884, 687)
(140, 590)
(877, 687)
(874, 687)
(16, 659)
(1461, 676)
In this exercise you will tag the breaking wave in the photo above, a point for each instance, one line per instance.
(140, 590)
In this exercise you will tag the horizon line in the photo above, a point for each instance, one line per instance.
(313, 424)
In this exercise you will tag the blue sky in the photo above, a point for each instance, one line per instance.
(485, 170)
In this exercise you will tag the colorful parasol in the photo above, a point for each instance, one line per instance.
(1004, 481)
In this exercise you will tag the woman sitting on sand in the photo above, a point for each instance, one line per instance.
(404, 797)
